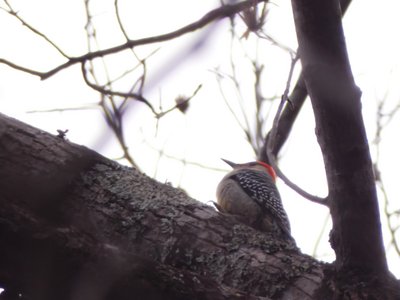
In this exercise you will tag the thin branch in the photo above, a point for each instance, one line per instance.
(383, 120)
(112, 112)
(106, 91)
(321, 233)
(142, 62)
(392, 230)
(183, 160)
(241, 101)
(162, 114)
(120, 24)
(244, 121)
(220, 76)
(270, 155)
(116, 127)
(266, 36)
(90, 106)
(213, 15)
(23, 69)
(141, 80)
(12, 12)
(287, 118)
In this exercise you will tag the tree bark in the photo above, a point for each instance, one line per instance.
(74, 225)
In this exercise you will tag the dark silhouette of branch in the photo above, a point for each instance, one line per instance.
(182, 103)
(271, 157)
(286, 119)
(14, 13)
(224, 11)
(320, 235)
(383, 119)
(356, 236)
(142, 62)
(106, 91)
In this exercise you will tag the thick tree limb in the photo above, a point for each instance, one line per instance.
(356, 236)
(75, 225)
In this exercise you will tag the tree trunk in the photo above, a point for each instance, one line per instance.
(356, 236)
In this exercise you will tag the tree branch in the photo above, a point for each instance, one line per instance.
(224, 11)
(12, 12)
(270, 156)
(82, 221)
(105, 91)
(356, 236)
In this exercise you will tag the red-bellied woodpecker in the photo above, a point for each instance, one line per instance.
(249, 192)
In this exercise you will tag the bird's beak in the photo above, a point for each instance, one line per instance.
(232, 164)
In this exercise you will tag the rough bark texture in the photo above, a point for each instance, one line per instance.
(74, 225)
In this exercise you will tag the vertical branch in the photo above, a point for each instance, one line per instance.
(356, 236)
(269, 146)
(112, 112)
(382, 121)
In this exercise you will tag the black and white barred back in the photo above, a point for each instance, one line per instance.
(261, 188)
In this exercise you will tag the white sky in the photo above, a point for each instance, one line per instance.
(208, 131)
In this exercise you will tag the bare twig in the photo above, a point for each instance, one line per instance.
(92, 36)
(142, 62)
(105, 91)
(112, 112)
(320, 235)
(245, 129)
(252, 19)
(243, 120)
(12, 12)
(388, 214)
(270, 155)
(383, 120)
(183, 160)
(251, 122)
(213, 15)
(241, 100)
(162, 114)
(268, 37)
(89, 106)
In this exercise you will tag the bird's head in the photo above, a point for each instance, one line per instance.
(255, 165)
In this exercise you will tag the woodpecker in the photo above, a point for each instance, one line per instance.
(249, 192)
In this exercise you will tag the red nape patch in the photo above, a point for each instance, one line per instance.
(270, 170)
